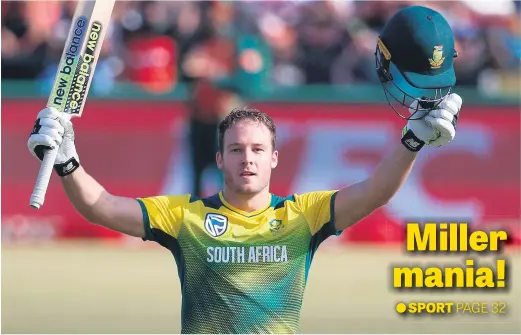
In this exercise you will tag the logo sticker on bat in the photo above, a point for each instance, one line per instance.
(68, 64)
(83, 71)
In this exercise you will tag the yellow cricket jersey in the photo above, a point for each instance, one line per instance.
(241, 272)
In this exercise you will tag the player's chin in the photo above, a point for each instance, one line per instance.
(248, 188)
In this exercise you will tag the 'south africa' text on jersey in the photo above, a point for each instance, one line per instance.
(252, 254)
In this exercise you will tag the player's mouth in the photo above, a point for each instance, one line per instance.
(247, 174)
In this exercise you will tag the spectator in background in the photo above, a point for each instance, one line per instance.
(356, 63)
(286, 58)
(148, 46)
(25, 34)
(310, 42)
(206, 66)
(321, 38)
(274, 22)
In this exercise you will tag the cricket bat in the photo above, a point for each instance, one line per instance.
(74, 75)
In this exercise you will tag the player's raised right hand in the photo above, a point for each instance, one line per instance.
(53, 129)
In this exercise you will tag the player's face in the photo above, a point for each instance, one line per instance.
(247, 158)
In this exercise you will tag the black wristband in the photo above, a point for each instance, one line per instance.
(67, 168)
(410, 141)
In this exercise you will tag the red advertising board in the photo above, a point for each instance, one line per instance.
(139, 149)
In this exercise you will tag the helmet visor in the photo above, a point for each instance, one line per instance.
(398, 90)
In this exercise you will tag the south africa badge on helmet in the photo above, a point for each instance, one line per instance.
(437, 57)
(215, 224)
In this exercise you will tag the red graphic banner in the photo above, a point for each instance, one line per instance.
(139, 149)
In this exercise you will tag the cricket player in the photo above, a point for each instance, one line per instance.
(244, 254)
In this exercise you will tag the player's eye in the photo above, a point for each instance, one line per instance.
(258, 150)
(236, 150)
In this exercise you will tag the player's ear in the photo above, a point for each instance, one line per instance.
(219, 160)
(274, 159)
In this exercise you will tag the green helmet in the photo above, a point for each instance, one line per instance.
(415, 58)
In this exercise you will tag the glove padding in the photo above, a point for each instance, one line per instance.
(53, 129)
(436, 127)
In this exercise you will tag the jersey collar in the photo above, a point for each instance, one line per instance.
(241, 212)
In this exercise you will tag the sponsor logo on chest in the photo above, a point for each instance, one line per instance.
(215, 224)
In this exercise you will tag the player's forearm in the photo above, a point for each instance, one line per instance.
(86, 194)
(98, 206)
(391, 173)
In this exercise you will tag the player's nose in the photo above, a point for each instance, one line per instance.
(247, 157)
(245, 161)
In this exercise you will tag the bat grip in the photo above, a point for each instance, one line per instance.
(44, 176)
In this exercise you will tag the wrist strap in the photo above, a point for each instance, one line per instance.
(67, 168)
(410, 141)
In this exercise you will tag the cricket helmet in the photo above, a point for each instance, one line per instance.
(415, 59)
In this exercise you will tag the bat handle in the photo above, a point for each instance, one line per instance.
(44, 176)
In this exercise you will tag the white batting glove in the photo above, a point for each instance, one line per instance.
(53, 129)
(436, 128)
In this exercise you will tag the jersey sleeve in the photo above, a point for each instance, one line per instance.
(318, 209)
(163, 215)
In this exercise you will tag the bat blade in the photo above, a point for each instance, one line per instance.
(80, 55)
(74, 75)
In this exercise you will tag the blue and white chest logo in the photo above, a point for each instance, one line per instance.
(215, 224)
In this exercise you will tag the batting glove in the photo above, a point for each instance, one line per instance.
(436, 127)
(51, 130)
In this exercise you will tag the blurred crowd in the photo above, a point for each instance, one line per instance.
(219, 49)
(159, 43)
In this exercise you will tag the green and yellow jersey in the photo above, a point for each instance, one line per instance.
(240, 272)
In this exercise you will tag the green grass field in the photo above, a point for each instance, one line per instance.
(89, 288)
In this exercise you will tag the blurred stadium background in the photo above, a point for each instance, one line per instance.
(168, 72)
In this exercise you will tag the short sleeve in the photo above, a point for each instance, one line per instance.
(318, 209)
(164, 214)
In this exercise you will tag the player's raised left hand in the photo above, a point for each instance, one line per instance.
(436, 128)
